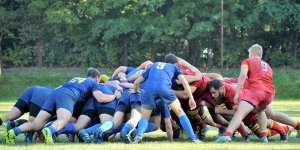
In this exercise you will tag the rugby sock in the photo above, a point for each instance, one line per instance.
(227, 133)
(52, 129)
(242, 131)
(70, 128)
(275, 126)
(272, 132)
(117, 130)
(108, 125)
(127, 128)
(17, 131)
(185, 123)
(151, 127)
(142, 126)
(297, 127)
(91, 129)
(263, 133)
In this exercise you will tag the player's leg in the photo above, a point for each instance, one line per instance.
(244, 108)
(184, 121)
(37, 124)
(143, 123)
(135, 116)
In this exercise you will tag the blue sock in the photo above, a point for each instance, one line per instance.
(186, 124)
(151, 127)
(114, 131)
(70, 128)
(127, 128)
(142, 126)
(106, 126)
(17, 131)
(91, 129)
(52, 129)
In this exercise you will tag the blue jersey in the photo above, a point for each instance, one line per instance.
(160, 75)
(81, 87)
(132, 71)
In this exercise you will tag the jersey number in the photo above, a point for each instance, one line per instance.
(264, 66)
(77, 80)
(160, 65)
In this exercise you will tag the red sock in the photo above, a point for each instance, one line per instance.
(263, 133)
(277, 127)
(227, 133)
(298, 126)
(272, 132)
(242, 131)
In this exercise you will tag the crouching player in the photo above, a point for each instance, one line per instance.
(158, 80)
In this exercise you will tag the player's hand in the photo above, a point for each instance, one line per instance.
(192, 104)
(132, 91)
(235, 99)
(117, 94)
(123, 79)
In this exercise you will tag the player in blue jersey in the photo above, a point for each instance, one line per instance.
(61, 101)
(158, 80)
(30, 101)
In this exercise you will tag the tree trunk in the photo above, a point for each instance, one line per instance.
(222, 36)
(125, 54)
(40, 53)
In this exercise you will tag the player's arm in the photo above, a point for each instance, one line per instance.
(127, 85)
(105, 98)
(169, 129)
(225, 111)
(214, 76)
(115, 83)
(241, 80)
(137, 83)
(184, 63)
(134, 77)
(182, 94)
(118, 70)
(188, 91)
(143, 65)
(189, 79)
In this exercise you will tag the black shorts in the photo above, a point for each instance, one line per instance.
(22, 106)
(34, 110)
(90, 113)
(105, 110)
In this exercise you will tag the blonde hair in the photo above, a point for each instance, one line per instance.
(256, 50)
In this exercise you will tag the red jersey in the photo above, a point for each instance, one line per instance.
(201, 93)
(260, 75)
(234, 81)
(229, 92)
(187, 71)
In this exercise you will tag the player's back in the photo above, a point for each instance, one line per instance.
(160, 75)
(260, 75)
(81, 87)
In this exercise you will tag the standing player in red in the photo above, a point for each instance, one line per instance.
(258, 95)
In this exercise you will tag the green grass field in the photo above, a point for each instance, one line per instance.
(158, 140)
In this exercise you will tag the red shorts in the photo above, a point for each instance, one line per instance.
(258, 98)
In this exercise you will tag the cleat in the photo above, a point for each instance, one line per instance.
(4, 129)
(28, 137)
(283, 138)
(137, 139)
(133, 134)
(202, 133)
(223, 139)
(84, 135)
(55, 137)
(125, 137)
(247, 139)
(222, 131)
(11, 136)
(264, 139)
(71, 137)
(47, 135)
(196, 141)
(98, 136)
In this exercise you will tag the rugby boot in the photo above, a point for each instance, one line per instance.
(264, 139)
(223, 139)
(98, 136)
(125, 137)
(47, 135)
(137, 139)
(84, 135)
(11, 136)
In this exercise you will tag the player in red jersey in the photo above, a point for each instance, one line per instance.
(223, 93)
(259, 94)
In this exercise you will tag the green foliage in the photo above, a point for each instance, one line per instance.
(100, 32)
